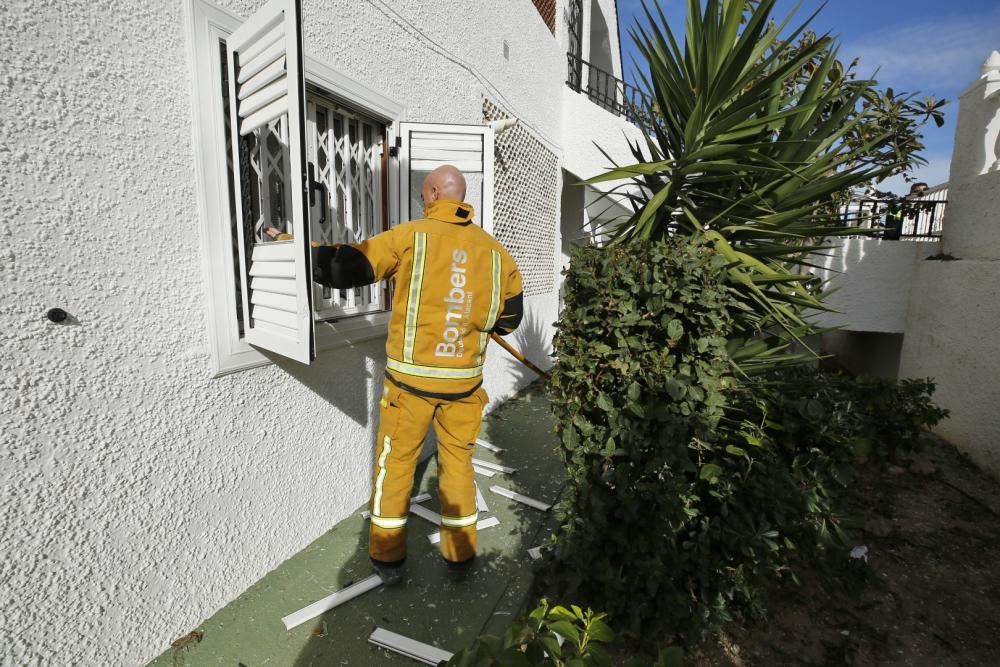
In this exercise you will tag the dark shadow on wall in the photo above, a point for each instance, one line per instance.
(870, 353)
(531, 339)
(341, 377)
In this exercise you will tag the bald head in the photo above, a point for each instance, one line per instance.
(445, 182)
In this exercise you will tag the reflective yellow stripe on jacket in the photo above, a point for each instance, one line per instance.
(433, 371)
(413, 299)
(491, 319)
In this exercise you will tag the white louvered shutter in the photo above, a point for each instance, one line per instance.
(426, 146)
(266, 83)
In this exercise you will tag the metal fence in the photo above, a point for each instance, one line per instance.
(917, 219)
(607, 91)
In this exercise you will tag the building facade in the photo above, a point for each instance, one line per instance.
(928, 308)
(160, 451)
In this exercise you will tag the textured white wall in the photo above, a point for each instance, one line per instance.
(954, 315)
(951, 336)
(590, 128)
(138, 495)
(972, 218)
(872, 279)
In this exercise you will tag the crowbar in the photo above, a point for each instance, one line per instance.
(517, 355)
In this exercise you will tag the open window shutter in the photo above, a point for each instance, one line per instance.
(426, 146)
(266, 82)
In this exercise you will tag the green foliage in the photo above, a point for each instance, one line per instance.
(701, 464)
(638, 395)
(690, 487)
(860, 418)
(550, 636)
(760, 132)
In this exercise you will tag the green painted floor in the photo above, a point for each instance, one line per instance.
(426, 607)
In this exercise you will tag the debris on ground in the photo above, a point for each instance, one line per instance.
(928, 595)
(190, 639)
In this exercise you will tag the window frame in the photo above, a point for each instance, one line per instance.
(207, 24)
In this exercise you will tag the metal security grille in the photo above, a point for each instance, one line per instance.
(345, 148)
(526, 196)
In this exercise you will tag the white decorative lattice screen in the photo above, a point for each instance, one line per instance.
(526, 197)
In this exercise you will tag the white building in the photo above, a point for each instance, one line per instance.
(155, 463)
(932, 308)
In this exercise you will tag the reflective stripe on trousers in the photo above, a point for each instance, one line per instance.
(404, 421)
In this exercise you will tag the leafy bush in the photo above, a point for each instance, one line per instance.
(700, 465)
(551, 636)
(691, 488)
(638, 394)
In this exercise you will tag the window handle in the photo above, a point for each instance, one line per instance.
(315, 185)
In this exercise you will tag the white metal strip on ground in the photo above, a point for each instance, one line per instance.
(481, 501)
(535, 553)
(423, 497)
(482, 524)
(482, 471)
(426, 514)
(514, 495)
(411, 648)
(331, 601)
(493, 466)
(488, 445)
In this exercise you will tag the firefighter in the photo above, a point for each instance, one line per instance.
(454, 284)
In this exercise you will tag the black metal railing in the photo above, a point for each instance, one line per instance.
(907, 220)
(608, 92)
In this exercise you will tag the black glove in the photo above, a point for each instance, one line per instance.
(341, 267)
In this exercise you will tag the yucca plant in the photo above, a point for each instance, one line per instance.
(756, 135)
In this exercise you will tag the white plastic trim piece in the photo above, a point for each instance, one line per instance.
(493, 466)
(411, 648)
(514, 495)
(481, 525)
(488, 445)
(426, 514)
(331, 601)
(419, 498)
(481, 500)
(482, 471)
(535, 553)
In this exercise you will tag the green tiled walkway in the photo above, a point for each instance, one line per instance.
(426, 607)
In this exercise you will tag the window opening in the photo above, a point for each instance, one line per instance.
(575, 45)
(345, 147)
(233, 230)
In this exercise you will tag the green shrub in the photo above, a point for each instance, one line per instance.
(691, 489)
(550, 636)
(638, 395)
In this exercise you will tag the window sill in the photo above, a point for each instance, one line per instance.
(345, 332)
(350, 331)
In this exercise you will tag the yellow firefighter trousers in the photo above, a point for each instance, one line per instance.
(404, 420)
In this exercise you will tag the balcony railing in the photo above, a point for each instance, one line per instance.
(907, 220)
(608, 92)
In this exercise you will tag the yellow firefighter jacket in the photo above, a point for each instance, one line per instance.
(453, 285)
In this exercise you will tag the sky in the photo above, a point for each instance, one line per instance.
(933, 47)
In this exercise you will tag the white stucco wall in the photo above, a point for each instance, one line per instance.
(589, 129)
(951, 336)
(139, 495)
(870, 281)
(954, 311)
(972, 218)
